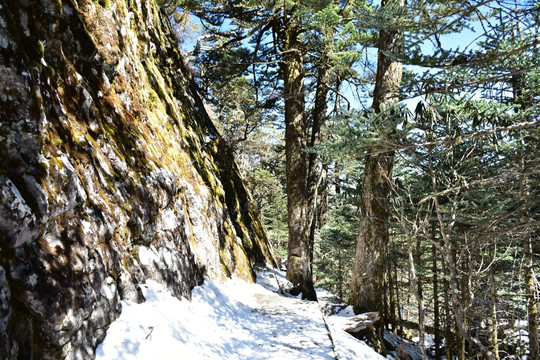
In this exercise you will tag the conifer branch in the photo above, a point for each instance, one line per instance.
(493, 181)
(478, 81)
(459, 139)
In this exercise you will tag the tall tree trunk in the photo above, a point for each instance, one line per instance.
(323, 210)
(391, 294)
(398, 302)
(299, 264)
(369, 266)
(386, 312)
(449, 341)
(415, 285)
(532, 301)
(436, 316)
(420, 298)
(340, 275)
(314, 165)
(464, 303)
(494, 326)
(466, 297)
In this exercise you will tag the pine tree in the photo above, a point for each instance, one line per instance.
(288, 24)
(370, 265)
(299, 266)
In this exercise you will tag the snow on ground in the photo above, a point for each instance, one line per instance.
(348, 347)
(231, 320)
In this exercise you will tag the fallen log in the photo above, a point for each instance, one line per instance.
(356, 323)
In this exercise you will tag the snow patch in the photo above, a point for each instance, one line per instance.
(108, 288)
(148, 254)
(347, 312)
(168, 220)
(348, 347)
(86, 227)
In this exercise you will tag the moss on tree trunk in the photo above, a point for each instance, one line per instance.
(370, 258)
(299, 265)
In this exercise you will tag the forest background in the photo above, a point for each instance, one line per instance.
(392, 151)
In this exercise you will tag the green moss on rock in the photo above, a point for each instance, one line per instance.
(117, 148)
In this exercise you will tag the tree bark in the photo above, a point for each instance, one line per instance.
(436, 316)
(369, 267)
(386, 312)
(420, 297)
(314, 171)
(415, 284)
(299, 263)
(323, 210)
(532, 301)
(449, 338)
(494, 325)
(398, 302)
(340, 275)
(391, 288)
(466, 302)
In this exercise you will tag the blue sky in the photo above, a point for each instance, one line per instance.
(463, 40)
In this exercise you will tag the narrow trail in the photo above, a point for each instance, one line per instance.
(295, 328)
(298, 326)
(230, 320)
(308, 325)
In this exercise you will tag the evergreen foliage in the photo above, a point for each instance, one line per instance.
(465, 191)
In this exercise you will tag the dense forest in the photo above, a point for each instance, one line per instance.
(392, 151)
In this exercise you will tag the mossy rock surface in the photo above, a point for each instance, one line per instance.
(112, 173)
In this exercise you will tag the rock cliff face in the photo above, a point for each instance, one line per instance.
(111, 173)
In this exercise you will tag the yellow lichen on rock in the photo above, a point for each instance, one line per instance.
(112, 173)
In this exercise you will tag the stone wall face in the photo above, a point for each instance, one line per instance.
(111, 173)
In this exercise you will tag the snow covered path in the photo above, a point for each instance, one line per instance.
(231, 320)
(286, 327)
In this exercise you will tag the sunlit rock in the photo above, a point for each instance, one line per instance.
(111, 174)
